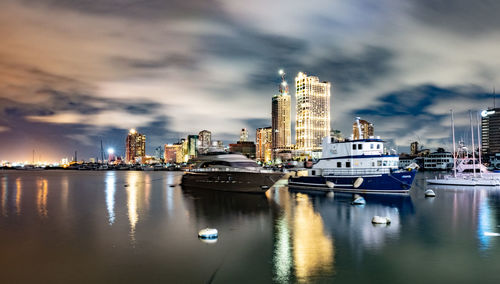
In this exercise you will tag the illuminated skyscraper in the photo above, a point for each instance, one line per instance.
(263, 141)
(135, 146)
(281, 124)
(244, 135)
(490, 131)
(313, 112)
(192, 145)
(205, 141)
(366, 129)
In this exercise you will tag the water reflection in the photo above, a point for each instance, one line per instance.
(302, 244)
(133, 215)
(64, 193)
(4, 196)
(41, 199)
(18, 196)
(110, 195)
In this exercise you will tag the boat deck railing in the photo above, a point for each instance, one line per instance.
(357, 171)
(204, 170)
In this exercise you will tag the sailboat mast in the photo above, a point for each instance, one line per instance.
(473, 148)
(479, 143)
(454, 151)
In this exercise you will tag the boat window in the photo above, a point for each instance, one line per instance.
(373, 164)
(354, 146)
(378, 146)
(243, 164)
(371, 145)
(379, 163)
(384, 163)
(347, 164)
(339, 164)
(360, 146)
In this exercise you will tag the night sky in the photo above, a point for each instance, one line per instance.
(75, 72)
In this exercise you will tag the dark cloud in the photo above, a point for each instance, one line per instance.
(168, 61)
(460, 16)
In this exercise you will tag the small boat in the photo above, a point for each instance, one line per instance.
(229, 172)
(355, 166)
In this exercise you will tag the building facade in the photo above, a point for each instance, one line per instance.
(244, 135)
(366, 130)
(281, 123)
(173, 153)
(135, 147)
(490, 131)
(264, 144)
(205, 138)
(192, 145)
(313, 112)
(246, 148)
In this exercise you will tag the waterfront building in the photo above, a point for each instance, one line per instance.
(244, 135)
(490, 131)
(205, 141)
(264, 144)
(281, 123)
(246, 148)
(192, 147)
(337, 134)
(135, 146)
(414, 148)
(312, 111)
(159, 152)
(366, 130)
(173, 153)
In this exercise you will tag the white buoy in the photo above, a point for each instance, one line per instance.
(208, 233)
(330, 194)
(430, 193)
(358, 182)
(381, 220)
(358, 200)
(330, 184)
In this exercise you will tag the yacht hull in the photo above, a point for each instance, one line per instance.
(462, 181)
(396, 183)
(231, 181)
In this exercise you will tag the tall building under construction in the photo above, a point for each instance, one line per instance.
(281, 124)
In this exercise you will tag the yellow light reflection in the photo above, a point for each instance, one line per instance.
(4, 196)
(110, 195)
(64, 193)
(41, 200)
(18, 196)
(133, 216)
(313, 250)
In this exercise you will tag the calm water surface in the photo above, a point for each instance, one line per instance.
(141, 227)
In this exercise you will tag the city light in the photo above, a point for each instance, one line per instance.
(111, 151)
(132, 131)
(281, 72)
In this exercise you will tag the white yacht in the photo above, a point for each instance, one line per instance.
(438, 161)
(229, 172)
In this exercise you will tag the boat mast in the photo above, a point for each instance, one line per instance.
(479, 143)
(454, 152)
(473, 148)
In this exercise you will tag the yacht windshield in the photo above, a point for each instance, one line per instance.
(244, 164)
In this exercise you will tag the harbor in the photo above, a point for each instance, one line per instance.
(131, 226)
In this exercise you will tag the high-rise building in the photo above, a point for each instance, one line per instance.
(246, 148)
(244, 135)
(313, 112)
(490, 131)
(414, 148)
(281, 124)
(192, 145)
(135, 146)
(366, 129)
(173, 153)
(159, 152)
(205, 141)
(263, 144)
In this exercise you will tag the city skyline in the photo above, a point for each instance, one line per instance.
(74, 73)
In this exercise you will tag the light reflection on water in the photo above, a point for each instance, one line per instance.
(122, 220)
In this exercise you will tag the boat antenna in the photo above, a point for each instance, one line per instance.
(472, 138)
(454, 152)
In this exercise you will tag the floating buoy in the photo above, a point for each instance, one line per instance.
(208, 233)
(358, 200)
(330, 184)
(430, 193)
(358, 182)
(381, 220)
(330, 194)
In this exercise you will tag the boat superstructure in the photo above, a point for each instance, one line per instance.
(229, 172)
